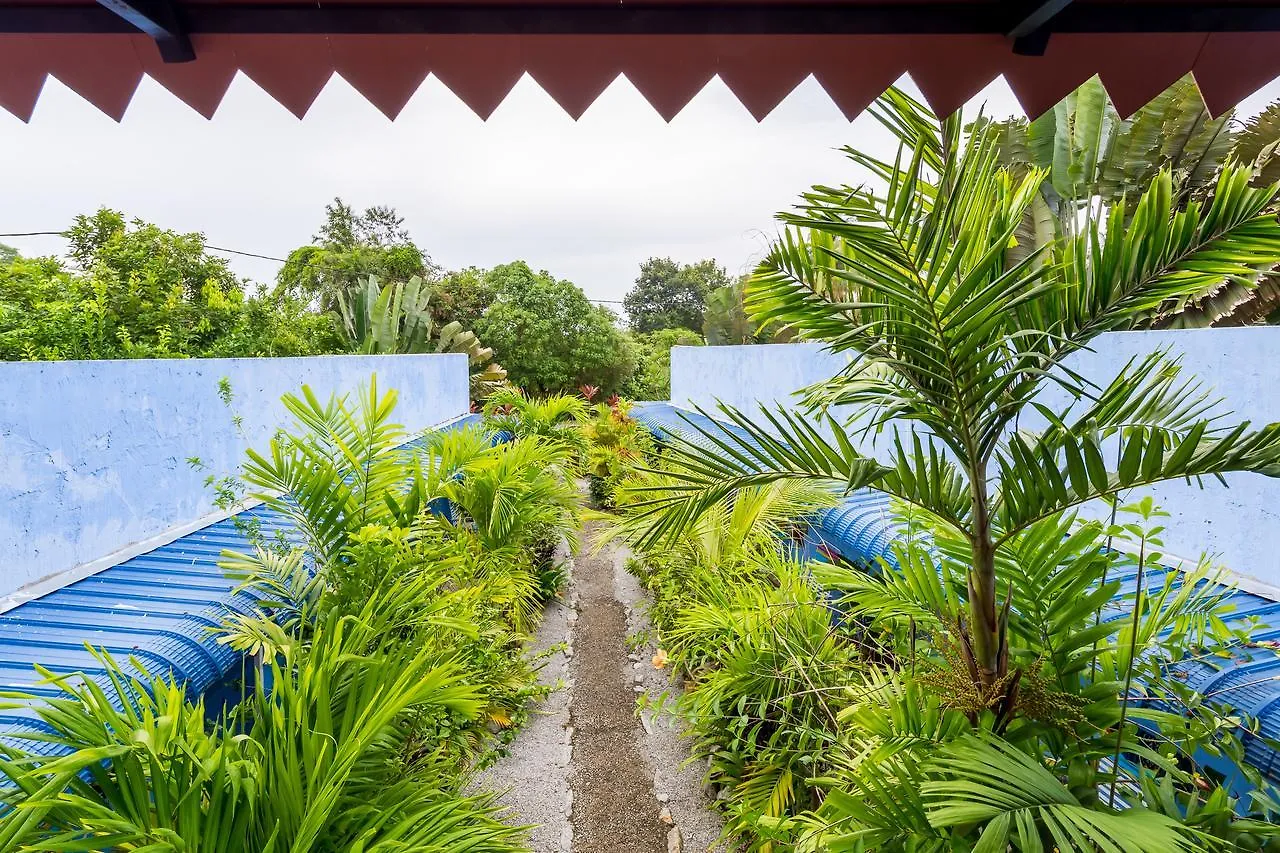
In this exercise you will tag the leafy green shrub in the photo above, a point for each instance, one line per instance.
(554, 419)
(383, 676)
(864, 730)
(549, 336)
(617, 444)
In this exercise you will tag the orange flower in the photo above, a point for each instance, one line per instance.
(660, 659)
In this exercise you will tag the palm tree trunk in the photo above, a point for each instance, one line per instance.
(984, 625)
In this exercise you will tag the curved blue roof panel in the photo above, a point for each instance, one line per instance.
(157, 608)
(862, 530)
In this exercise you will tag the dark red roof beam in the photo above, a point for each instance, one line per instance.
(160, 20)
(1030, 34)
(673, 18)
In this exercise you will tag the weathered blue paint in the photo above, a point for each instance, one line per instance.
(93, 454)
(747, 377)
(1239, 526)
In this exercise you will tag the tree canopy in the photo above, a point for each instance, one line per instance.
(134, 290)
(350, 246)
(668, 295)
(461, 295)
(549, 336)
(651, 379)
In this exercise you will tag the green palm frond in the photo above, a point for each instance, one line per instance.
(1042, 479)
(1057, 580)
(329, 475)
(1158, 255)
(875, 806)
(1257, 144)
(515, 490)
(1019, 801)
(282, 582)
(706, 465)
(1148, 392)
(915, 588)
(750, 521)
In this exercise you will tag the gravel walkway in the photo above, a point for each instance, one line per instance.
(614, 805)
(677, 781)
(586, 771)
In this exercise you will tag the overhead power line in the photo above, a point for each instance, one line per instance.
(226, 251)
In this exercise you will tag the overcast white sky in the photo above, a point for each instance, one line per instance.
(588, 200)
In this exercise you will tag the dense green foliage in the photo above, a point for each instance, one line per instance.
(651, 379)
(462, 295)
(726, 322)
(850, 722)
(668, 295)
(137, 291)
(130, 289)
(549, 336)
(1087, 154)
(382, 674)
(348, 247)
(617, 447)
(990, 704)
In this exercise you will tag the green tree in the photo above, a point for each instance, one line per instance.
(273, 325)
(668, 295)
(461, 295)
(164, 262)
(136, 290)
(549, 336)
(950, 342)
(652, 377)
(349, 246)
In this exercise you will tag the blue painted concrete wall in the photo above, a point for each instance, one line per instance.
(748, 377)
(93, 454)
(1239, 525)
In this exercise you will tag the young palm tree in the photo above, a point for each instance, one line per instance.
(554, 418)
(952, 334)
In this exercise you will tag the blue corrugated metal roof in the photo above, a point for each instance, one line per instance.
(156, 607)
(862, 529)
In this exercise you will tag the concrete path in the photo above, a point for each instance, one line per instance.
(592, 775)
(533, 778)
